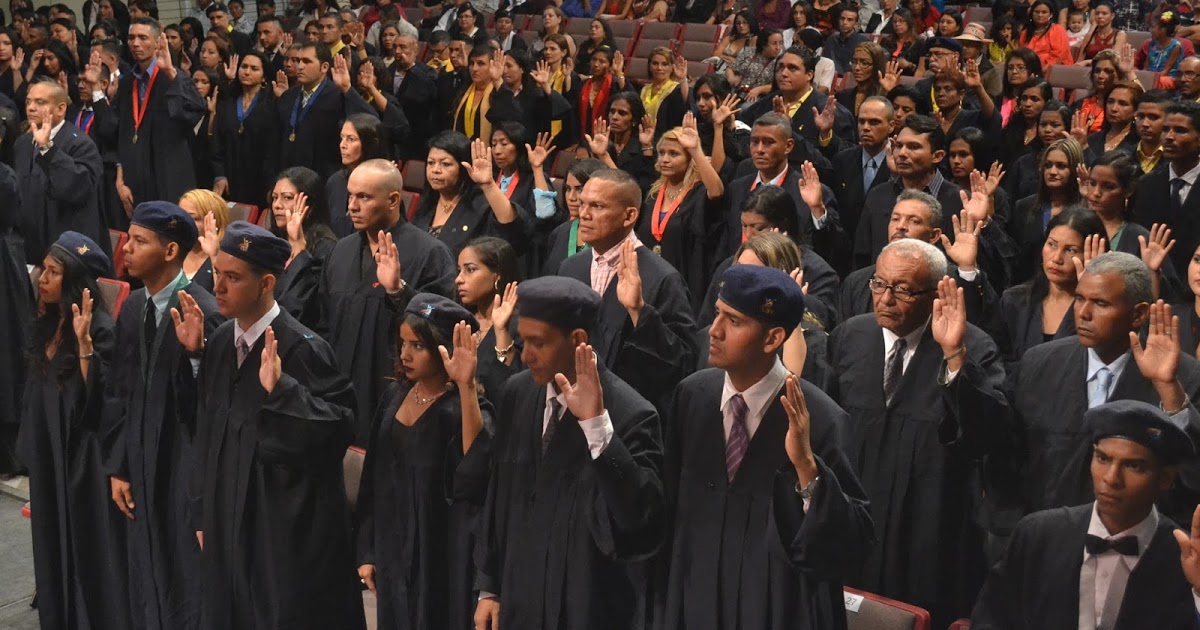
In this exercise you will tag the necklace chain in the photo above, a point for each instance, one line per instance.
(425, 401)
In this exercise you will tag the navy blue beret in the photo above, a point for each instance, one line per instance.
(168, 220)
(565, 303)
(441, 312)
(214, 7)
(764, 293)
(1143, 423)
(86, 252)
(256, 246)
(944, 42)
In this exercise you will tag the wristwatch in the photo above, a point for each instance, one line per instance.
(806, 492)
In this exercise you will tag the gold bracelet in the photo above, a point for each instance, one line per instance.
(502, 353)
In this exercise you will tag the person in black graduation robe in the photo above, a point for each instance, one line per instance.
(916, 453)
(790, 577)
(267, 490)
(158, 164)
(419, 503)
(686, 242)
(15, 321)
(358, 315)
(149, 433)
(244, 152)
(98, 120)
(78, 536)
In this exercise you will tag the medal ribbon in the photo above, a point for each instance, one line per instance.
(659, 220)
(139, 104)
(243, 113)
(299, 113)
(81, 124)
(512, 183)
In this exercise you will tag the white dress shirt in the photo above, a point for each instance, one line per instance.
(758, 398)
(1105, 564)
(1189, 179)
(250, 335)
(1116, 368)
(597, 431)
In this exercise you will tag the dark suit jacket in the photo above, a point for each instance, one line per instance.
(1152, 204)
(802, 122)
(872, 232)
(1036, 584)
(847, 184)
(660, 351)
(824, 241)
(1021, 322)
(59, 191)
(418, 95)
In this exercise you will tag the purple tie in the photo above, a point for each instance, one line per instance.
(739, 437)
(242, 350)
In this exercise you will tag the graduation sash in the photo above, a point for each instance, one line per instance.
(599, 104)
(472, 108)
(652, 100)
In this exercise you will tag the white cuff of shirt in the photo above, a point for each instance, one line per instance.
(97, 96)
(485, 595)
(819, 222)
(968, 276)
(598, 431)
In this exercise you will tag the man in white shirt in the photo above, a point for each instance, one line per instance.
(1111, 563)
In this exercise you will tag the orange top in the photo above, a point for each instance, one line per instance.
(1053, 47)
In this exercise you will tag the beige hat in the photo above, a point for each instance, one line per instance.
(974, 32)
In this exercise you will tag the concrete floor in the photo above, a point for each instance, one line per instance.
(16, 568)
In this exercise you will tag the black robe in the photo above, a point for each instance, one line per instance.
(746, 554)
(1036, 584)
(298, 289)
(159, 165)
(267, 490)
(856, 298)
(100, 124)
(1153, 203)
(1049, 393)
(688, 238)
(78, 534)
(418, 507)
(657, 353)
(564, 538)
(313, 141)
(470, 219)
(821, 299)
(1021, 323)
(826, 241)
(361, 321)
(338, 198)
(916, 457)
(15, 323)
(246, 153)
(149, 430)
(60, 191)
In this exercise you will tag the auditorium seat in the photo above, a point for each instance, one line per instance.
(1069, 77)
(978, 14)
(118, 240)
(624, 28)
(1136, 39)
(242, 212)
(637, 69)
(114, 292)
(701, 33)
(414, 176)
(645, 45)
(264, 218)
(867, 611)
(410, 200)
(961, 624)
(579, 28)
(624, 45)
(660, 30)
(694, 51)
(533, 24)
(562, 162)
(699, 68)
(1147, 78)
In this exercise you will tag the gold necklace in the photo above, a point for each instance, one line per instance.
(672, 195)
(425, 401)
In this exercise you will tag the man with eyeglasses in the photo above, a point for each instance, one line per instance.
(841, 43)
(942, 53)
(1189, 79)
(923, 390)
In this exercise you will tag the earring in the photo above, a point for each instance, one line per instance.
(496, 284)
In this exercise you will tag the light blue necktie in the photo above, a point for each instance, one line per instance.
(1099, 390)
(869, 174)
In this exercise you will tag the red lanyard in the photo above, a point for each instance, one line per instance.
(512, 183)
(778, 181)
(659, 220)
(139, 104)
(86, 127)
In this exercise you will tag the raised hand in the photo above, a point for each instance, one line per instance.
(212, 99)
(1189, 551)
(18, 60)
(994, 176)
(1083, 178)
(210, 240)
(231, 67)
(221, 186)
(950, 321)
(504, 306)
(387, 263)
(1125, 60)
(598, 141)
(979, 204)
(480, 167)
(810, 189)
(680, 69)
(689, 137)
(295, 223)
(366, 77)
(629, 282)
(460, 366)
(82, 322)
(271, 367)
(618, 64)
(541, 76)
(585, 399)
(779, 106)
(1080, 123)
(189, 326)
(41, 131)
(891, 78)
(280, 84)
(797, 442)
(539, 151)
(965, 249)
(825, 118)
(341, 73)
(90, 75)
(34, 63)
(163, 54)
(496, 68)
(1158, 361)
(1154, 251)
(646, 131)
(1093, 246)
(972, 77)
(286, 43)
(725, 111)
(357, 32)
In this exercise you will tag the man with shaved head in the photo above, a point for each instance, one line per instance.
(59, 170)
(645, 332)
(370, 277)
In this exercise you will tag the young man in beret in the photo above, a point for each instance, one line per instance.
(268, 501)
(575, 503)
(766, 500)
(1106, 564)
(151, 423)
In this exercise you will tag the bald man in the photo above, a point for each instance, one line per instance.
(59, 170)
(370, 277)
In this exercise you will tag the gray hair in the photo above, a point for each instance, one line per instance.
(1131, 269)
(931, 202)
(404, 28)
(933, 257)
(779, 121)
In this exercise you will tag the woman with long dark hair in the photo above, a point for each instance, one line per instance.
(533, 89)
(1118, 133)
(553, 23)
(208, 84)
(425, 476)
(1023, 175)
(626, 139)
(1044, 36)
(298, 213)
(1102, 36)
(1058, 189)
(666, 96)
(902, 45)
(874, 75)
(1021, 130)
(461, 203)
(362, 138)
(78, 537)
(1107, 70)
(488, 272)
(744, 33)
(600, 34)
(1040, 309)
(246, 135)
(510, 159)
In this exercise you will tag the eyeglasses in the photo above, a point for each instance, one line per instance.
(902, 294)
(942, 53)
(1186, 76)
(1017, 69)
(861, 63)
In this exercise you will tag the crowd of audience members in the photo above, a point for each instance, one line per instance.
(984, 284)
